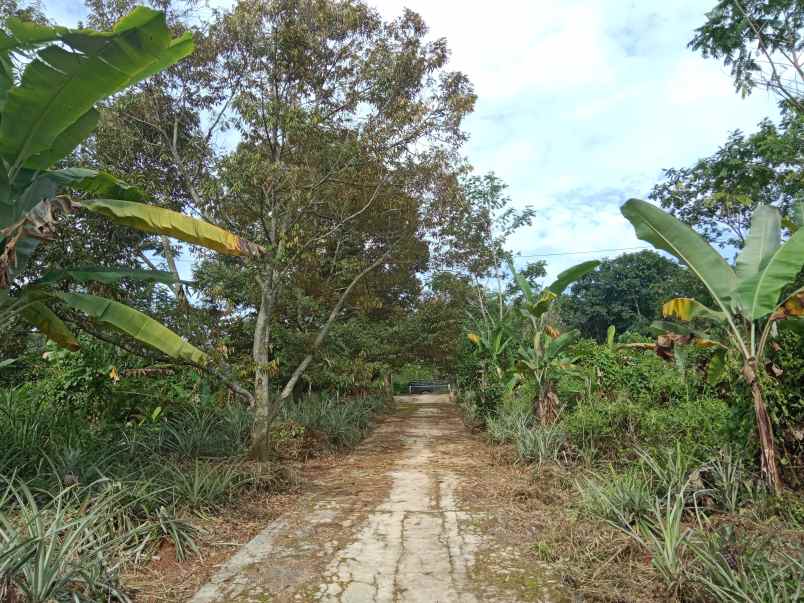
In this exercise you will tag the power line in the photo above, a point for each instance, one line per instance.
(546, 255)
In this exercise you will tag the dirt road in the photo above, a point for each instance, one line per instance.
(397, 521)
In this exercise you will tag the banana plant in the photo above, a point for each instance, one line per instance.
(50, 80)
(748, 297)
(542, 353)
(541, 361)
(491, 340)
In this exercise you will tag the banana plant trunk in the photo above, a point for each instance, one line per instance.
(770, 468)
(547, 405)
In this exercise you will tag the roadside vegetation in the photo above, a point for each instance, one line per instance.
(225, 242)
(668, 439)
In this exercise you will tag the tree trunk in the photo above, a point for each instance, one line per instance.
(765, 428)
(288, 389)
(268, 405)
(265, 405)
(178, 289)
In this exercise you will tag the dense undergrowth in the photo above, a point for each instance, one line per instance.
(653, 452)
(87, 487)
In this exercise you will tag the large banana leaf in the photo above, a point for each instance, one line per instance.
(759, 295)
(106, 276)
(570, 275)
(61, 85)
(50, 325)
(763, 240)
(65, 142)
(665, 232)
(167, 222)
(134, 323)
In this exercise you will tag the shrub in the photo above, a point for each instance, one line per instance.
(669, 471)
(616, 426)
(206, 430)
(509, 422)
(203, 486)
(53, 552)
(666, 538)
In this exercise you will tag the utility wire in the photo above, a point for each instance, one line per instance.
(546, 255)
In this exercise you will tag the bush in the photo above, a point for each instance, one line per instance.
(616, 426)
(728, 569)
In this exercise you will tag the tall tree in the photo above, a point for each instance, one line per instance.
(718, 194)
(761, 40)
(346, 123)
(627, 292)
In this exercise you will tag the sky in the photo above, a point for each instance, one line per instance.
(581, 104)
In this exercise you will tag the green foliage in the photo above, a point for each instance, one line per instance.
(626, 292)
(718, 194)
(759, 40)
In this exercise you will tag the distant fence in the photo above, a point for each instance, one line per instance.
(429, 387)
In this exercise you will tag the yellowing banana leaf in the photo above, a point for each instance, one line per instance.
(60, 86)
(150, 218)
(792, 306)
(686, 308)
(50, 325)
(703, 343)
(141, 327)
